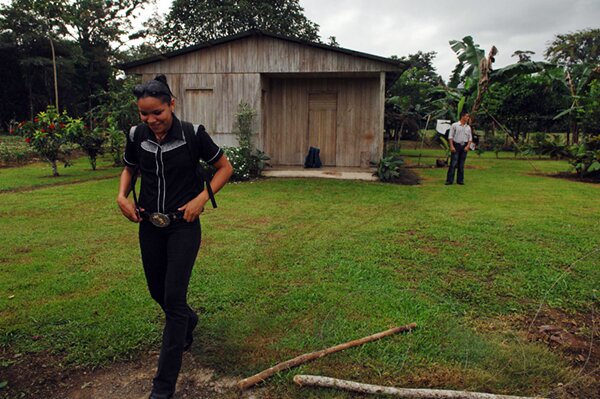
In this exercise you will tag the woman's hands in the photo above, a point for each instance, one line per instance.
(128, 209)
(193, 209)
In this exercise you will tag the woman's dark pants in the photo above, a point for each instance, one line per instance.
(168, 255)
(457, 161)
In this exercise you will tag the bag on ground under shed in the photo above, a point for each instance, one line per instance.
(313, 160)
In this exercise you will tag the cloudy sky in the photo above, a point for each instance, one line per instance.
(401, 27)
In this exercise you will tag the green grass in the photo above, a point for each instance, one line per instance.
(289, 266)
(410, 152)
(39, 174)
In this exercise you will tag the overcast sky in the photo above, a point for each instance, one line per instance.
(400, 27)
(388, 27)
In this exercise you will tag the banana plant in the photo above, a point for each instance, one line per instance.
(576, 86)
(473, 74)
(469, 57)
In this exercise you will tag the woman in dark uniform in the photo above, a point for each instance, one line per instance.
(170, 202)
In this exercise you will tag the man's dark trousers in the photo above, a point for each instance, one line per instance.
(457, 161)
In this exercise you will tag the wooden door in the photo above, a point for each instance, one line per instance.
(322, 125)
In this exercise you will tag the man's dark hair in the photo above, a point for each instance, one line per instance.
(463, 113)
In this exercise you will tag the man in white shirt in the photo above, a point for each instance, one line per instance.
(460, 139)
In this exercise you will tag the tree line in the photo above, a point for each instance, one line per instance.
(84, 39)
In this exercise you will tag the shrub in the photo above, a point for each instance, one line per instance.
(541, 145)
(116, 144)
(388, 168)
(10, 154)
(239, 162)
(247, 161)
(49, 134)
(584, 160)
(593, 142)
(244, 121)
(91, 142)
(115, 114)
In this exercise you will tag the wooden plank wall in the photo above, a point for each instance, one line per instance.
(359, 126)
(213, 100)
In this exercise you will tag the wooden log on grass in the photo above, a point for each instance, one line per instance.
(407, 393)
(307, 357)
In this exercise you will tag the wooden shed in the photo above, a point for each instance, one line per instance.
(305, 94)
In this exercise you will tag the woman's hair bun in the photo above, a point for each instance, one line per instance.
(162, 79)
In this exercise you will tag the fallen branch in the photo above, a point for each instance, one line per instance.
(327, 382)
(307, 357)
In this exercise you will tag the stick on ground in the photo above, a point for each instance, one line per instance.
(327, 382)
(307, 357)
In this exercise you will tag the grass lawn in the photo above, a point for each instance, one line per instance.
(40, 174)
(289, 266)
(411, 152)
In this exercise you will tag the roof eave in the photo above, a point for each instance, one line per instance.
(256, 32)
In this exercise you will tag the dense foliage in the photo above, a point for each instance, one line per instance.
(115, 114)
(410, 96)
(524, 104)
(86, 36)
(578, 55)
(544, 144)
(201, 21)
(584, 158)
(569, 49)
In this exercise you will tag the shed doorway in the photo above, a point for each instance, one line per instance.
(337, 114)
(322, 125)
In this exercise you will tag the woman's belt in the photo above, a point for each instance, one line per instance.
(161, 219)
(156, 218)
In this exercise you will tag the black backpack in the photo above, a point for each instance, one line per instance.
(313, 160)
(189, 131)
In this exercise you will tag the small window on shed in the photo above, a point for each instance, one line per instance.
(200, 107)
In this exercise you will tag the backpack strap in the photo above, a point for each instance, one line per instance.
(132, 133)
(189, 134)
(134, 138)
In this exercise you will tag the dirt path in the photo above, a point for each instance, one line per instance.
(39, 377)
